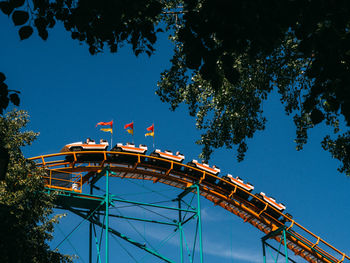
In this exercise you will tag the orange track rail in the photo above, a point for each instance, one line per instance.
(85, 164)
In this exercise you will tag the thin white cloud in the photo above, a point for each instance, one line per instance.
(208, 215)
(210, 248)
(222, 251)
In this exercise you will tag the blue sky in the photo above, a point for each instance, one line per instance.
(67, 91)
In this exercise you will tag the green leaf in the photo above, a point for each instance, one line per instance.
(20, 17)
(6, 8)
(138, 52)
(17, 3)
(4, 102)
(75, 35)
(92, 50)
(316, 116)
(2, 77)
(3, 89)
(25, 32)
(43, 33)
(14, 99)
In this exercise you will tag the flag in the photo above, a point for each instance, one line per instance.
(107, 130)
(131, 126)
(151, 129)
(110, 123)
(149, 134)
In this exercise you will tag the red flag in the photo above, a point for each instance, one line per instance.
(129, 125)
(151, 128)
(110, 123)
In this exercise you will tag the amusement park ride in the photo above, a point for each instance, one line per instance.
(81, 166)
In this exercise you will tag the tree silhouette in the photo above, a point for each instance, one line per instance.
(228, 57)
(24, 206)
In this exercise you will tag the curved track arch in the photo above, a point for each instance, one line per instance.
(84, 166)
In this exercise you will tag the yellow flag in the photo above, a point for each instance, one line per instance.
(149, 134)
(107, 130)
(131, 131)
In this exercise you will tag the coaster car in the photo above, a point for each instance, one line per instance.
(204, 167)
(236, 181)
(271, 201)
(130, 147)
(178, 157)
(90, 145)
(169, 155)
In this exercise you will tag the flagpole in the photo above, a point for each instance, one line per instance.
(153, 135)
(107, 130)
(133, 128)
(112, 136)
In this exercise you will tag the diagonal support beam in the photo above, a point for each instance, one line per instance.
(280, 231)
(186, 192)
(99, 175)
(150, 205)
(118, 234)
(273, 248)
(140, 219)
(273, 233)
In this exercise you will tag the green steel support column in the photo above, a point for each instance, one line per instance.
(90, 232)
(97, 246)
(90, 243)
(199, 224)
(264, 251)
(181, 243)
(194, 243)
(285, 245)
(180, 231)
(107, 219)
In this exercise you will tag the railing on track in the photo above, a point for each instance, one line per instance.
(300, 240)
(61, 180)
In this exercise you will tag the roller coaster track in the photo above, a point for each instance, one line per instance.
(86, 164)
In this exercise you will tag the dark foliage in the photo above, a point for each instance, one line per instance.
(6, 95)
(229, 55)
(24, 207)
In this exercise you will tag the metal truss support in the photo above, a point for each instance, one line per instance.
(183, 220)
(90, 231)
(120, 235)
(95, 209)
(107, 215)
(281, 232)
